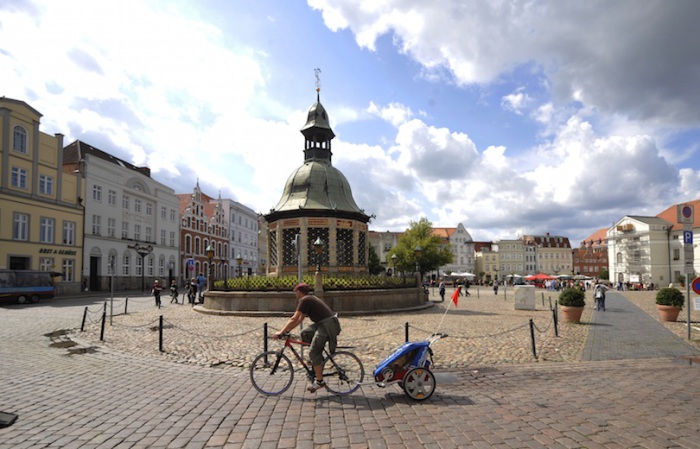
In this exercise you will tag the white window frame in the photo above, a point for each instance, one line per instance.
(47, 229)
(19, 178)
(46, 185)
(20, 227)
(69, 233)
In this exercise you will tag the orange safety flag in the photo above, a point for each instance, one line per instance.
(455, 295)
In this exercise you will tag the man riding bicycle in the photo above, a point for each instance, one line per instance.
(325, 328)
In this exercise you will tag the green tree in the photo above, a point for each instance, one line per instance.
(375, 265)
(433, 255)
(603, 274)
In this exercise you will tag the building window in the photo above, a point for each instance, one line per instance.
(125, 202)
(139, 266)
(162, 237)
(68, 270)
(47, 229)
(161, 266)
(150, 266)
(45, 185)
(19, 178)
(19, 142)
(20, 227)
(163, 212)
(172, 214)
(69, 233)
(149, 209)
(111, 227)
(125, 264)
(125, 229)
(112, 198)
(172, 238)
(97, 193)
(137, 205)
(188, 244)
(676, 253)
(137, 232)
(97, 225)
(46, 264)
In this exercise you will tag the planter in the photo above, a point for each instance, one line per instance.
(668, 313)
(571, 314)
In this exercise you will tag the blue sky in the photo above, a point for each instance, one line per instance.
(511, 117)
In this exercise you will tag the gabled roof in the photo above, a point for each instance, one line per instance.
(597, 238)
(444, 233)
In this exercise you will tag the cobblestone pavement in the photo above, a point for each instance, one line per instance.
(491, 391)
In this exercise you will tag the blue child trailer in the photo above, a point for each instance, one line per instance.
(410, 366)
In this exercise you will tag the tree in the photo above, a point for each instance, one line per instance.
(375, 265)
(433, 255)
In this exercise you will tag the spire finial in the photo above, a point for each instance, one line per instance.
(317, 74)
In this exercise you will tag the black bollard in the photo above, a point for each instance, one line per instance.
(126, 305)
(82, 326)
(532, 337)
(160, 334)
(104, 320)
(265, 337)
(554, 317)
(406, 330)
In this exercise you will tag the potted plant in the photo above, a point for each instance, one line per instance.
(669, 303)
(572, 301)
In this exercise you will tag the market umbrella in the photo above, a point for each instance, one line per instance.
(540, 277)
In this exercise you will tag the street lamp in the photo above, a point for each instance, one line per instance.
(239, 261)
(143, 251)
(210, 257)
(393, 260)
(318, 246)
(417, 251)
(224, 271)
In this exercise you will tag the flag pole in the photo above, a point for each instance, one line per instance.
(455, 295)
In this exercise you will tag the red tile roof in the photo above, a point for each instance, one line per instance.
(671, 214)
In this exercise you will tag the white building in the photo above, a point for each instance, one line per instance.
(243, 233)
(127, 215)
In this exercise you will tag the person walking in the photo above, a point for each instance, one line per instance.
(325, 328)
(192, 291)
(157, 288)
(441, 290)
(495, 287)
(173, 292)
(599, 296)
(201, 282)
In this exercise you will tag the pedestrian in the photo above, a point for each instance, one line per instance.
(599, 296)
(192, 291)
(441, 290)
(201, 282)
(157, 288)
(173, 292)
(325, 328)
(495, 287)
(467, 284)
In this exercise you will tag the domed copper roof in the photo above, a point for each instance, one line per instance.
(317, 188)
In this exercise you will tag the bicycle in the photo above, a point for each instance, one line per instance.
(272, 372)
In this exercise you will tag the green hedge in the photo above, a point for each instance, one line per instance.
(287, 283)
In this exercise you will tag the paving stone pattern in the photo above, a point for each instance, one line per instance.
(111, 398)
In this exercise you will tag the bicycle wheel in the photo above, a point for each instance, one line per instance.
(419, 383)
(271, 373)
(344, 373)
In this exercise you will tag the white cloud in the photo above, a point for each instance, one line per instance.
(516, 101)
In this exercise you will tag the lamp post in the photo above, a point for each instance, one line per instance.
(210, 257)
(393, 261)
(318, 246)
(143, 251)
(417, 251)
(239, 261)
(225, 273)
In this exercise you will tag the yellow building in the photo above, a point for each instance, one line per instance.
(41, 216)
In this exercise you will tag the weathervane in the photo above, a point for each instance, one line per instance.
(317, 73)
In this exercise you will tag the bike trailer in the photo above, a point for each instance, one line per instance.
(409, 355)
